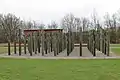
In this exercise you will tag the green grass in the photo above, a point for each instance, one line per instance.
(116, 50)
(33, 69)
(12, 45)
(5, 49)
(114, 45)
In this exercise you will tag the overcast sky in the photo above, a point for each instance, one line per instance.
(47, 10)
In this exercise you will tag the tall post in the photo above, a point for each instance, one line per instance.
(54, 40)
(19, 42)
(45, 43)
(24, 44)
(69, 39)
(57, 42)
(68, 42)
(30, 43)
(94, 44)
(62, 41)
(48, 42)
(101, 39)
(42, 40)
(39, 41)
(51, 44)
(15, 43)
(32, 38)
(105, 44)
(80, 40)
(9, 47)
(108, 43)
(35, 42)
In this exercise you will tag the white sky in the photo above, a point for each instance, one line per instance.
(47, 10)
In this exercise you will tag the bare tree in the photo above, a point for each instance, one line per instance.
(10, 25)
(107, 21)
(34, 24)
(68, 22)
(114, 17)
(41, 26)
(85, 23)
(111, 23)
(29, 25)
(78, 24)
(49, 26)
(54, 25)
(94, 19)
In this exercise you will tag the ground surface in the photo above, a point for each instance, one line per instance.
(33, 69)
(63, 55)
(114, 52)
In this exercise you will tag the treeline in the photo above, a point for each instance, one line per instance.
(10, 24)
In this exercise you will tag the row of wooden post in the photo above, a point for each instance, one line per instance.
(15, 46)
(48, 41)
(45, 42)
(41, 42)
(98, 40)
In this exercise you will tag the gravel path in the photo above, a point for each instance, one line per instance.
(86, 54)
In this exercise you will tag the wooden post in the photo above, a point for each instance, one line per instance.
(38, 40)
(35, 42)
(108, 43)
(30, 43)
(101, 38)
(80, 40)
(48, 42)
(54, 40)
(99, 34)
(105, 44)
(69, 37)
(45, 43)
(24, 44)
(51, 44)
(94, 44)
(19, 42)
(9, 47)
(15, 43)
(57, 42)
(67, 44)
(62, 41)
(42, 40)
(73, 40)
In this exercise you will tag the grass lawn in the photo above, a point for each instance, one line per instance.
(5, 49)
(116, 50)
(33, 69)
(114, 45)
(5, 44)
